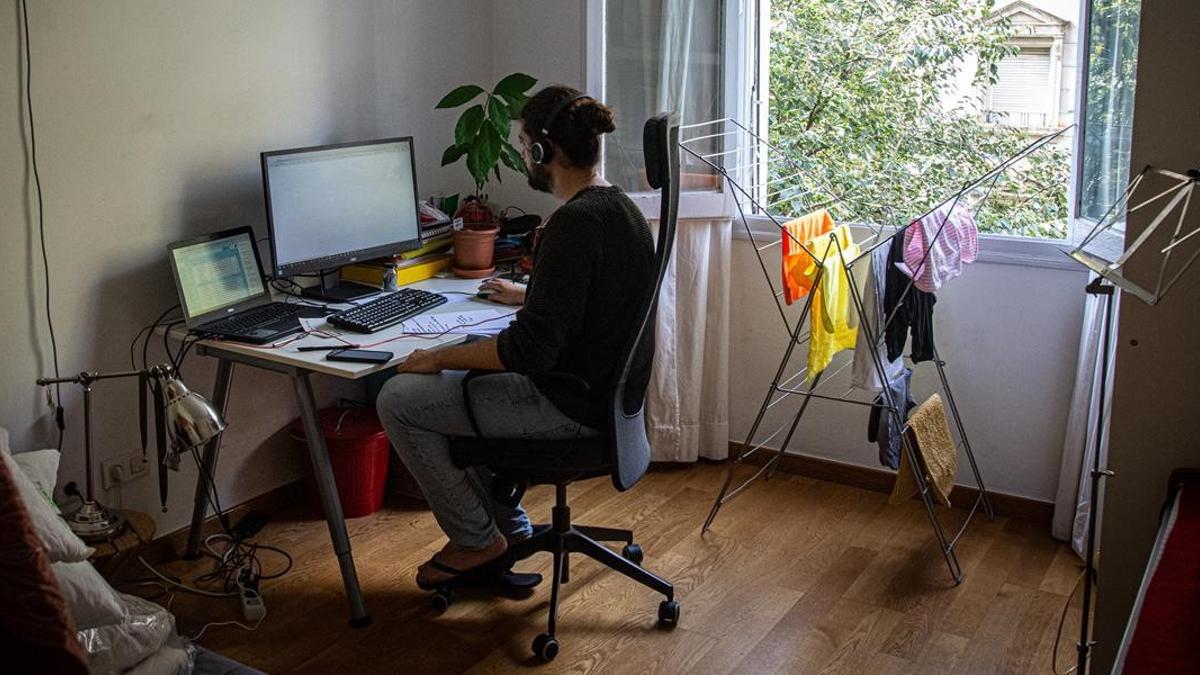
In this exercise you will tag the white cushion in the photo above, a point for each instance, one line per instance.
(62, 545)
(90, 600)
(41, 466)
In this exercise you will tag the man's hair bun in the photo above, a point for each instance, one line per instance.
(595, 117)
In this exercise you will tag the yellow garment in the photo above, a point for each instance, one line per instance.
(834, 323)
(796, 234)
(935, 448)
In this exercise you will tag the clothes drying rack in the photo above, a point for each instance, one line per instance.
(763, 181)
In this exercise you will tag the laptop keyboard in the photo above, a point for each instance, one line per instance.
(388, 310)
(250, 319)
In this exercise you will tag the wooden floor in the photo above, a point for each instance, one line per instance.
(796, 576)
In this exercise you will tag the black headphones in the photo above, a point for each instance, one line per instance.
(542, 151)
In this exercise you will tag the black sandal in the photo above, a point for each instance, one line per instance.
(494, 566)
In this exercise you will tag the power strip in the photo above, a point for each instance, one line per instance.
(253, 607)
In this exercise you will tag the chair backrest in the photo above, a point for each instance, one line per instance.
(628, 441)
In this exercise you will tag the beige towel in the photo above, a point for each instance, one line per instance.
(927, 428)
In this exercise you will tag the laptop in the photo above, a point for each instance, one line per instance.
(223, 293)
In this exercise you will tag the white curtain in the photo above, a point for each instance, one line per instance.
(1073, 499)
(687, 402)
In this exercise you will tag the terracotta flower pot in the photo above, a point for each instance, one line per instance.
(474, 246)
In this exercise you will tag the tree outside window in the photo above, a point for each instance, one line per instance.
(866, 96)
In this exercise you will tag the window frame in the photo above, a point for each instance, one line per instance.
(744, 51)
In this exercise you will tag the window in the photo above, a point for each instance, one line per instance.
(1108, 116)
(1021, 95)
(659, 55)
(891, 107)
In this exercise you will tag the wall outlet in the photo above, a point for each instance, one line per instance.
(123, 469)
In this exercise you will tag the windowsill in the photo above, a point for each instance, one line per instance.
(993, 249)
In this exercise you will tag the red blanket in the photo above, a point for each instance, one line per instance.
(1167, 632)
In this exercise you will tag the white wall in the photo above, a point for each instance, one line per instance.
(543, 38)
(150, 117)
(1008, 333)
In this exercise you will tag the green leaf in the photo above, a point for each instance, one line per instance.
(473, 166)
(453, 154)
(498, 115)
(512, 158)
(460, 96)
(489, 149)
(496, 169)
(515, 84)
(516, 104)
(468, 125)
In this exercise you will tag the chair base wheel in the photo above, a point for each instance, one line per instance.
(442, 599)
(632, 553)
(545, 647)
(668, 614)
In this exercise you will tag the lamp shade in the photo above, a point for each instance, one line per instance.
(191, 420)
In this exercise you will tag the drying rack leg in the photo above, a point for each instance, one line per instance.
(962, 433)
(746, 449)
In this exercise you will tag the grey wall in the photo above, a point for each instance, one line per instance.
(1154, 406)
(150, 117)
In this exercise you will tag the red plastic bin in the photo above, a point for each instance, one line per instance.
(358, 451)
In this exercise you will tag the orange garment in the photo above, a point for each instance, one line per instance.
(797, 282)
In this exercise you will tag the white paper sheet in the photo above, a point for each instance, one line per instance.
(474, 322)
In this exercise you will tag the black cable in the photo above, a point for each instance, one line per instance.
(59, 419)
(166, 339)
(145, 331)
(245, 554)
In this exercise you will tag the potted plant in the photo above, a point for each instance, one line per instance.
(481, 136)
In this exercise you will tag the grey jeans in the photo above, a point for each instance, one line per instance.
(421, 412)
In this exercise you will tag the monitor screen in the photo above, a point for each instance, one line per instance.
(217, 273)
(333, 205)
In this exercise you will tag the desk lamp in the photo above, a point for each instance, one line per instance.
(1105, 251)
(184, 417)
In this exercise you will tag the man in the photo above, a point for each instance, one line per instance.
(594, 254)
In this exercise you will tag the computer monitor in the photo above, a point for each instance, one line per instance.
(331, 205)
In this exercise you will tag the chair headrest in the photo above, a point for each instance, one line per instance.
(654, 147)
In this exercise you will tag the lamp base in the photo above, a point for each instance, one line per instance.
(95, 522)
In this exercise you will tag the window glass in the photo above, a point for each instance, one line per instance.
(1108, 115)
(659, 55)
(891, 108)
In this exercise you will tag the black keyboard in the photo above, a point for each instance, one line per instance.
(388, 310)
(253, 318)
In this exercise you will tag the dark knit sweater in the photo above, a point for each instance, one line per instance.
(592, 264)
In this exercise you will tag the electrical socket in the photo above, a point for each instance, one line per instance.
(123, 469)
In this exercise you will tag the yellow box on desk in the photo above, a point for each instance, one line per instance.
(374, 273)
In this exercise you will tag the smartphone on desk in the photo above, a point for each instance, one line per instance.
(359, 356)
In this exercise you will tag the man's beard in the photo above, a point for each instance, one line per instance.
(539, 178)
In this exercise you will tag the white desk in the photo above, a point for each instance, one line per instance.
(286, 359)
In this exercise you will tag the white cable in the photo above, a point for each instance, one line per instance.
(189, 589)
(239, 624)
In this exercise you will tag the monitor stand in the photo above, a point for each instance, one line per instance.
(337, 292)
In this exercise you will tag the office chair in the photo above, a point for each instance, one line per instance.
(623, 452)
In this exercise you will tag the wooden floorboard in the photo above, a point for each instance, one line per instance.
(797, 575)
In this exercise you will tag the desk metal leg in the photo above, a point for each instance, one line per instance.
(323, 471)
(220, 400)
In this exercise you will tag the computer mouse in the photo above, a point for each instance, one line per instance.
(484, 295)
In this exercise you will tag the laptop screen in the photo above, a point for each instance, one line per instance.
(216, 274)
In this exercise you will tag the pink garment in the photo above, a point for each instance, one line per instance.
(955, 246)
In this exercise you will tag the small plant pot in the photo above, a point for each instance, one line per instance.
(474, 246)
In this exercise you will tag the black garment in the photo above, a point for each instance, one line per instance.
(884, 429)
(916, 312)
(594, 261)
